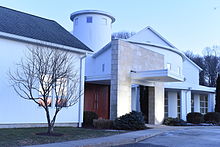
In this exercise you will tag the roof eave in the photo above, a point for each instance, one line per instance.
(81, 12)
(200, 69)
(161, 37)
(44, 43)
(171, 49)
(99, 52)
(160, 46)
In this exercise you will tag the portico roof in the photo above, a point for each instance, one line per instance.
(189, 86)
(163, 75)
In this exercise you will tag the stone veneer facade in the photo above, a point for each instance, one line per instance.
(124, 58)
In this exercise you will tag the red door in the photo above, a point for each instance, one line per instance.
(97, 99)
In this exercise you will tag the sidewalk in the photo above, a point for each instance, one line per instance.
(126, 138)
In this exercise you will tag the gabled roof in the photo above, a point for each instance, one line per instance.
(193, 63)
(149, 35)
(34, 27)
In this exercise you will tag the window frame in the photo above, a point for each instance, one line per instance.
(61, 97)
(203, 104)
(50, 95)
(179, 70)
(192, 103)
(169, 66)
(76, 21)
(178, 105)
(104, 21)
(89, 19)
(166, 113)
(53, 95)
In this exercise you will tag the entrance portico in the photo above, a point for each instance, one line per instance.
(180, 102)
(131, 65)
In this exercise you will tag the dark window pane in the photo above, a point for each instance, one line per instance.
(178, 109)
(166, 109)
(202, 104)
(89, 19)
(166, 102)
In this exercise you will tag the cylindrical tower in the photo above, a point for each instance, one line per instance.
(92, 27)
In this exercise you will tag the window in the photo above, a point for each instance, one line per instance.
(89, 19)
(61, 92)
(192, 103)
(166, 105)
(179, 70)
(103, 67)
(49, 102)
(203, 104)
(76, 21)
(168, 66)
(61, 102)
(53, 91)
(178, 105)
(45, 92)
(104, 21)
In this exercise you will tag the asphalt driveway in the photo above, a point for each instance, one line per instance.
(188, 137)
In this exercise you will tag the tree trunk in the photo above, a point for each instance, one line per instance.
(50, 125)
(50, 129)
(52, 122)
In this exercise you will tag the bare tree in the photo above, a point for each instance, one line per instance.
(211, 62)
(49, 78)
(122, 35)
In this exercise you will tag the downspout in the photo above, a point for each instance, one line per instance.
(80, 92)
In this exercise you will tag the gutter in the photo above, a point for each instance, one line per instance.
(81, 95)
(40, 42)
(155, 45)
(175, 50)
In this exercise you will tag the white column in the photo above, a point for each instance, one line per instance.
(172, 104)
(133, 98)
(159, 103)
(183, 104)
(196, 103)
(188, 101)
(156, 104)
(185, 97)
(123, 99)
(211, 102)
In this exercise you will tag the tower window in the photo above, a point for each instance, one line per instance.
(76, 21)
(104, 21)
(89, 19)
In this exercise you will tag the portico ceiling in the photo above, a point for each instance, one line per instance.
(163, 75)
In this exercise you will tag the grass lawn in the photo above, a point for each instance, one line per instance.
(27, 136)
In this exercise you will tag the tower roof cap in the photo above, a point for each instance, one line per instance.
(74, 14)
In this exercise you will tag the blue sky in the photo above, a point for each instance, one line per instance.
(188, 24)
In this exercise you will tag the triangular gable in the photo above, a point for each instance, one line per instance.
(148, 35)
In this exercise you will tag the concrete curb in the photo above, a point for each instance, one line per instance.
(120, 139)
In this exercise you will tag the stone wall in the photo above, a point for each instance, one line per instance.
(127, 57)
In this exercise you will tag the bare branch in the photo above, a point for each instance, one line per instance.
(45, 74)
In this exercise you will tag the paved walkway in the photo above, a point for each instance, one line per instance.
(126, 138)
(196, 136)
